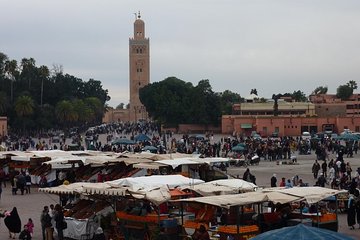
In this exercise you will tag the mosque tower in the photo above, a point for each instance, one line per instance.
(139, 63)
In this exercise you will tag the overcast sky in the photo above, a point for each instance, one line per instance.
(275, 46)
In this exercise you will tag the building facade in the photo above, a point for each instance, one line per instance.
(139, 63)
(324, 113)
(3, 126)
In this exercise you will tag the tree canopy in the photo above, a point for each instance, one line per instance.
(345, 91)
(173, 101)
(320, 90)
(47, 98)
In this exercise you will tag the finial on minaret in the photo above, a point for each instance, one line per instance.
(139, 16)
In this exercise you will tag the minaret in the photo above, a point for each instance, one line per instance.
(139, 58)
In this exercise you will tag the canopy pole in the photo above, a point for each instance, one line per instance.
(238, 220)
(182, 213)
(336, 212)
(318, 216)
(301, 212)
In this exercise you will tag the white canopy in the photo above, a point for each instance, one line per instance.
(174, 163)
(171, 181)
(310, 194)
(223, 186)
(64, 160)
(227, 201)
(210, 160)
(77, 187)
(149, 165)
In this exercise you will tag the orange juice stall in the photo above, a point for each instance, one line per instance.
(318, 206)
(230, 216)
(141, 205)
(242, 216)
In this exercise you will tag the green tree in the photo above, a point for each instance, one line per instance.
(3, 102)
(120, 106)
(344, 92)
(167, 101)
(299, 96)
(96, 106)
(173, 101)
(228, 99)
(24, 106)
(352, 84)
(65, 112)
(320, 90)
(253, 91)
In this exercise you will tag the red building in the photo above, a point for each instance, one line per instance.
(322, 113)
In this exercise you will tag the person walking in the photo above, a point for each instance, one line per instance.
(351, 211)
(13, 223)
(44, 212)
(21, 182)
(324, 168)
(27, 183)
(348, 169)
(315, 169)
(46, 224)
(59, 221)
(273, 180)
(321, 180)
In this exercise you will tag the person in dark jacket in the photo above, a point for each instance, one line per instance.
(25, 234)
(99, 234)
(59, 221)
(273, 180)
(13, 223)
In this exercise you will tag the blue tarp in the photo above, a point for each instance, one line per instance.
(301, 232)
(141, 138)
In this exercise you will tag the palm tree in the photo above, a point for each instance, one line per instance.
(24, 106)
(65, 112)
(96, 106)
(85, 113)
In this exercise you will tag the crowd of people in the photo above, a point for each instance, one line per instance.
(327, 172)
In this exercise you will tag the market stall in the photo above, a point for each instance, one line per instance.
(314, 206)
(81, 215)
(231, 215)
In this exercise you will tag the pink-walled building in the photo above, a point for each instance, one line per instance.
(324, 112)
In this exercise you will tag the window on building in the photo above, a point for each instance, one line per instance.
(357, 128)
(277, 129)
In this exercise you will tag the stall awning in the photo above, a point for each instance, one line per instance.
(246, 125)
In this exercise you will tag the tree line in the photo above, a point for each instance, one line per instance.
(36, 97)
(173, 101)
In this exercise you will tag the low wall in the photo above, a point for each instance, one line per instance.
(194, 128)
